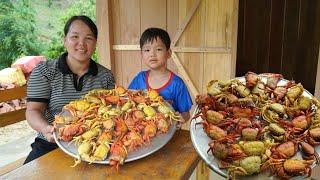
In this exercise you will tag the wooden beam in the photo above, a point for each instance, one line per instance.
(14, 93)
(185, 76)
(185, 22)
(126, 47)
(134, 47)
(223, 50)
(105, 35)
(234, 39)
(12, 117)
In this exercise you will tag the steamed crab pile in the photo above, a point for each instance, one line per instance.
(261, 125)
(112, 123)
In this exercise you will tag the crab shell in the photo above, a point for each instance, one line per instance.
(251, 79)
(214, 117)
(304, 103)
(251, 164)
(242, 90)
(101, 152)
(212, 88)
(294, 92)
(253, 148)
(276, 129)
(295, 166)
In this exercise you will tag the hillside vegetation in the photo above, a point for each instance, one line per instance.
(35, 27)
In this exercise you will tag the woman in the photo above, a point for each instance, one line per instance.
(54, 84)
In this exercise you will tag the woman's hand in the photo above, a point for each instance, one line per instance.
(47, 132)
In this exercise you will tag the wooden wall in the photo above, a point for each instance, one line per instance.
(203, 34)
(206, 48)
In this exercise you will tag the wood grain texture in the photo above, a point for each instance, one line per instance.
(117, 40)
(153, 14)
(105, 38)
(176, 160)
(234, 37)
(191, 36)
(12, 117)
(14, 93)
(217, 66)
(17, 115)
(172, 27)
(129, 34)
(210, 29)
(218, 28)
(317, 88)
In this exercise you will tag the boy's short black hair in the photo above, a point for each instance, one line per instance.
(151, 34)
(84, 19)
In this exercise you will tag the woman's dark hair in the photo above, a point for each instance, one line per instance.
(84, 19)
(151, 34)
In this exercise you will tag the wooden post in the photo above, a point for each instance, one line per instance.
(235, 18)
(317, 88)
(105, 35)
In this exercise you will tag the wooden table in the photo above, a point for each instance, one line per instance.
(176, 160)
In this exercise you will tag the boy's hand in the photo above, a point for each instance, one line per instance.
(180, 123)
(184, 118)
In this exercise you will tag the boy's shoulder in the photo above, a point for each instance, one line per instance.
(177, 79)
(141, 74)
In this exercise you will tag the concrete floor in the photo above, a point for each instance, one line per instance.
(16, 149)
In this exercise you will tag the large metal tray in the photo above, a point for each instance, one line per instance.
(156, 143)
(200, 141)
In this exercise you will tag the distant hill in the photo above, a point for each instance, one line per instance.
(48, 13)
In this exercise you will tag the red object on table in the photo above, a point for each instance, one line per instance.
(27, 63)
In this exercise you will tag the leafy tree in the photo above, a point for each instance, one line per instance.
(17, 35)
(81, 7)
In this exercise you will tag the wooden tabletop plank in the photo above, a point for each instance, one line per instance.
(176, 160)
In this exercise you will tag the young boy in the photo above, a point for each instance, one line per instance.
(155, 52)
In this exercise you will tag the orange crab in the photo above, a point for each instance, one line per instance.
(67, 132)
(118, 154)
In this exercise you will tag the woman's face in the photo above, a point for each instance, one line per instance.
(80, 42)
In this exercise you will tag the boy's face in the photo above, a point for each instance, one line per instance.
(155, 55)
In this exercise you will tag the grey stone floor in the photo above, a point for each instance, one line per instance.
(16, 149)
(15, 142)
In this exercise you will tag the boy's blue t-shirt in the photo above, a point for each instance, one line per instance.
(175, 91)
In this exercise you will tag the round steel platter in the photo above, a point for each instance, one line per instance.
(200, 141)
(156, 143)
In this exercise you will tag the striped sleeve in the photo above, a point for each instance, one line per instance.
(107, 77)
(110, 80)
(38, 85)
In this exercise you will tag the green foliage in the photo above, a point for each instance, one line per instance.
(81, 7)
(17, 35)
(49, 3)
